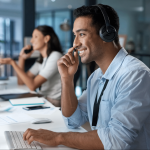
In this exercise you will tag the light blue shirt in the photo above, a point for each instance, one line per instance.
(124, 112)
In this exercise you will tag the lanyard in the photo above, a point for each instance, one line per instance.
(96, 105)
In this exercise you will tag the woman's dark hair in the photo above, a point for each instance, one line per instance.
(97, 17)
(53, 43)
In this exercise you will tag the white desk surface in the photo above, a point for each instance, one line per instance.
(57, 124)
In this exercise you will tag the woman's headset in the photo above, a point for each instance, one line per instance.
(107, 32)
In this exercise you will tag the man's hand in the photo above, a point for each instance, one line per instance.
(8, 61)
(88, 140)
(68, 64)
(43, 136)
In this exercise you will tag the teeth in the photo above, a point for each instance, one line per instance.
(81, 51)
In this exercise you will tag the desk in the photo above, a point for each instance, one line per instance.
(57, 124)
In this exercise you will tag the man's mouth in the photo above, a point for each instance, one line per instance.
(80, 52)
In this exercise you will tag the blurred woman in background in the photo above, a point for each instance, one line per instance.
(44, 73)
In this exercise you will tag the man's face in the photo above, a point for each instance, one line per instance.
(86, 39)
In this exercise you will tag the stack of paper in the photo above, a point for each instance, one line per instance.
(10, 91)
(14, 118)
(27, 101)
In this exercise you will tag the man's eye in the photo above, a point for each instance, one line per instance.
(81, 34)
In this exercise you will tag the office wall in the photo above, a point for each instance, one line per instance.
(128, 24)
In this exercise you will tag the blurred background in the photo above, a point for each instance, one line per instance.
(18, 18)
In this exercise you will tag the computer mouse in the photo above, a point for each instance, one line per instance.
(40, 121)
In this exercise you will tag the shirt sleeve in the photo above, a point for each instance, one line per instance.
(50, 68)
(35, 68)
(80, 116)
(130, 110)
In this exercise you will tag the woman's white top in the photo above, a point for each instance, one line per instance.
(49, 70)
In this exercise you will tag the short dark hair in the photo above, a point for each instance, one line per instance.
(97, 17)
(53, 43)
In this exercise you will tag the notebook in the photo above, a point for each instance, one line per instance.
(7, 97)
(3, 78)
(27, 101)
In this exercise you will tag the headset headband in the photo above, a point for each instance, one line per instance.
(107, 32)
(106, 18)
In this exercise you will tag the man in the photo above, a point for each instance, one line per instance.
(121, 85)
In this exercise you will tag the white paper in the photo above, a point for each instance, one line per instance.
(12, 91)
(14, 118)
(6, 108)
(27, 101)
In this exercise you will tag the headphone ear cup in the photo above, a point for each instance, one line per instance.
(107, 36)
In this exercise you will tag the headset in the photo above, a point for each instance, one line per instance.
(107, 32)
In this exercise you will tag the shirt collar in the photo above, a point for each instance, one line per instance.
(44, 59)
(115, 64)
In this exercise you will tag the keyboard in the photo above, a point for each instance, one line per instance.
(15, 141)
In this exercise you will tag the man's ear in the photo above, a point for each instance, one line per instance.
(47, 38)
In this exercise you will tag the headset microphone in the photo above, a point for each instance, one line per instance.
(107, 32)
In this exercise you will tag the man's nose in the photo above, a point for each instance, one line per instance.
(76, 42)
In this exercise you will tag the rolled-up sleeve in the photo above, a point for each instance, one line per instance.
(129, 113)
(80, 116)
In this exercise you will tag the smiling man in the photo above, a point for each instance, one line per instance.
(117, 100)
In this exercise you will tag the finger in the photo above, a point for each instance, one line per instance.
(71, 49)
(65, 62)
(28, 136)
(30, 140)
(24, 48)
(67, 57)
(71, 57)
(76, 57)
(62, 61)
(26, 133)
